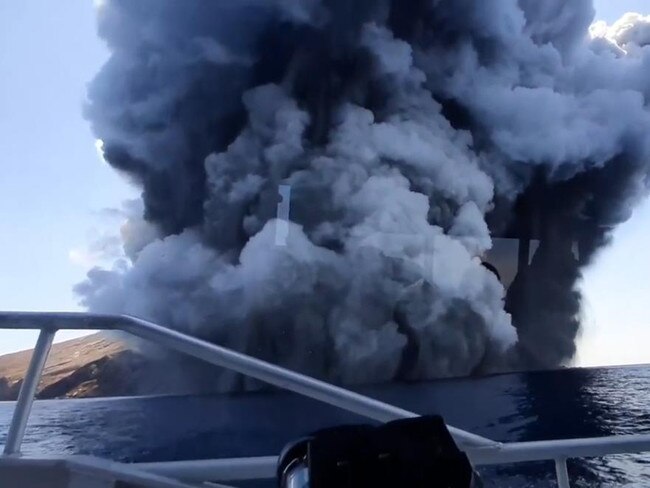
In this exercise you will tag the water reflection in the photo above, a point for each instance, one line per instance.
(583, 403)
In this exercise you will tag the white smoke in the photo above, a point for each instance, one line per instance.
(629, 33)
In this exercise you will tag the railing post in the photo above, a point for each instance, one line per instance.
(562, 473)
(28, 392)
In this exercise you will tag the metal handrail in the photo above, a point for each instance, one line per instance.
(481, 450)
(505, 453)
(197, 348)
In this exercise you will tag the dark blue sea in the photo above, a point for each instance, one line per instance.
(512, 407)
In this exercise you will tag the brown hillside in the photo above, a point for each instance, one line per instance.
(66, 359)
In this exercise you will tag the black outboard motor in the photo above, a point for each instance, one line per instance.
(414, 453)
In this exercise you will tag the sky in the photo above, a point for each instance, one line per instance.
(54, 188)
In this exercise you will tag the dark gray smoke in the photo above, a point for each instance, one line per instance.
(402, 136)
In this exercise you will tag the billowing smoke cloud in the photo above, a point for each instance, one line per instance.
(407, 134)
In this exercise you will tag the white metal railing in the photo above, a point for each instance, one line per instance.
(482, 451)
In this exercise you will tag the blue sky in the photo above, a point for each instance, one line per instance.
(53, 186)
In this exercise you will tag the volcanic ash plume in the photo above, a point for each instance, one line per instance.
(322, 179)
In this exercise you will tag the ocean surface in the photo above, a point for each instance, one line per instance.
(512, 407)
